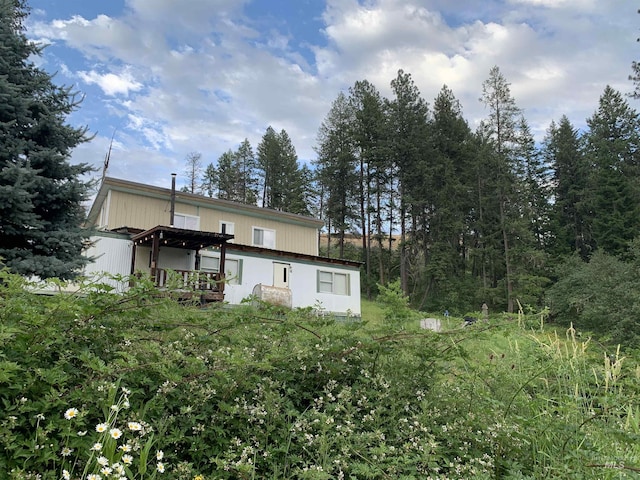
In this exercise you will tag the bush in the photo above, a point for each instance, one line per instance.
(244, 393)
(601, 296)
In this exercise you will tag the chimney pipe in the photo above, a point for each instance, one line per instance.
(173, 199)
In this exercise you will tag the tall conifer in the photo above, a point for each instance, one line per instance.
(40, 191)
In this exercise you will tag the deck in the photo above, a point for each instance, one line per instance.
(191, 284)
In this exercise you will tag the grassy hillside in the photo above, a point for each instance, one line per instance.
(143, 387)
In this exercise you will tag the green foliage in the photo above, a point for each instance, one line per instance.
(284, 182)
(600, 296)
(41, 193)
(394, 302)
(269, 393)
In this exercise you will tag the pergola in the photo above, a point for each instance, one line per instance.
(161, 236)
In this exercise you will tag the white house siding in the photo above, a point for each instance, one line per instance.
(303, 282)
(110, 253)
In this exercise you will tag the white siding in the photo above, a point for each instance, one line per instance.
(112, 255)
(302, 281)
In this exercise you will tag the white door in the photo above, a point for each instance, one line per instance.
(281, 275)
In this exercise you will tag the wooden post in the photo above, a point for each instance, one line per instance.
(223, 255)
(155, 253)
(133, 258)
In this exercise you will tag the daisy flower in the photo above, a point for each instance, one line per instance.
(66, 451)
(97, 447)
(127, 459)
(160, 467)
(134, 426)
(159, 455)
(71, 413)
(101, 427)
(115, 433)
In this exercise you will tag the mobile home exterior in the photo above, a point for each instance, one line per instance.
(255, 251)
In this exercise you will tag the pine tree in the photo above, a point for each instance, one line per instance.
(408, 121)
(284, 183)
(501, 128)
(369, 135)
(40, 191)
(451, 185)
(612, 149)
(337, 169)
(210, 180)
(562, 148)
(228, 177)
(246, 166)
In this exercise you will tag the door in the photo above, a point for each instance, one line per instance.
(281, 273)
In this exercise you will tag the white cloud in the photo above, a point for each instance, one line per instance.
(205, 76)
(110, 83)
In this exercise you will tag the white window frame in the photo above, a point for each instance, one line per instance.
(230, 228)
(271, 236)
(232, 279)
(186, 221)
(327, 282)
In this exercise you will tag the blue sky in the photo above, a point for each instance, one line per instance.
(170, 77)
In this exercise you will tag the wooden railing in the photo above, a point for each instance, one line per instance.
(196, 281)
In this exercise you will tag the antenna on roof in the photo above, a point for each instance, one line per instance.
(108, 156)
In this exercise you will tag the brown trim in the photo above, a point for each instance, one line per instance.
(180, 238)
(234, 247)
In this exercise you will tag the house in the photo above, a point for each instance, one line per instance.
(216, 249)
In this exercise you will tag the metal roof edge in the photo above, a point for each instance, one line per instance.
(192, 198)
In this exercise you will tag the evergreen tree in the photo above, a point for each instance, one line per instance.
(246, 166)
(501, 129)
(612, 149)
(284, 182)
(337, 169)
(408, 117)
(268, 160)
(40, 191)
(450, 183)
(562, 148)
(531, 233)
(368, 129)
(210, 180)
(228, 177)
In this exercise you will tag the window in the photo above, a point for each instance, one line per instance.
(209, 264)
(264, 238)
(233, 272)
(332, 282)
(227, 227)
(232, 266)
(188, 222)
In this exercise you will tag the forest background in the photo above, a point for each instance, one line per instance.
(460, 217)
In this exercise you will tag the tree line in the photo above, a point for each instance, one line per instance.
(458, 216)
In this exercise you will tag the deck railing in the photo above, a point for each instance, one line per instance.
(197, 281)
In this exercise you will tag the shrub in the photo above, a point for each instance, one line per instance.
(246, 393)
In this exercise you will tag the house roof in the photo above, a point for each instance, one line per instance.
(181, 238)
(261, 251)
(110, 183)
